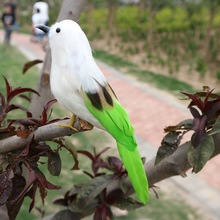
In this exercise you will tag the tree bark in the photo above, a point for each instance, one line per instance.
(176, 164)
(70, 9)
(112, 11)
(90, 9)
(43, 133)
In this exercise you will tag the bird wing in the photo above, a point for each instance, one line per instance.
(104, 105)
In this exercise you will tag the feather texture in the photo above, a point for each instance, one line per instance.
(116, 121)
(78, 84)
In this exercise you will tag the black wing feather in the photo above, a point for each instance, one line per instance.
(107, 96)
(95, 100)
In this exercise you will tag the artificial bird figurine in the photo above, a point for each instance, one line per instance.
(79, 85)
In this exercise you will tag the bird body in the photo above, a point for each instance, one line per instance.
(78, 84)
(67, 86)
(73, 70)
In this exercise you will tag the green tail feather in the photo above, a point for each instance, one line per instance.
(136, 173)
(116, 121)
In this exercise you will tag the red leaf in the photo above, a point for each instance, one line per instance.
(31, 193)
(196, 100)
(24, 152)
(207, 96)
(29, 181)
(199, 125)
(50, 104)
(61, 202)
(13, 107)
(46, 109)
(212, 108)
(194, 112)
(2, 99)
(43, 192)
(44, 117)
(18, 91)
(114, 196)
(25, 97)
(28, 65)
(5, 186)
(43, 181)
(115, 164)
(89, 174)
(18, 185)
(102, 213)
(8, 87)
(86, 153)
(103, 151)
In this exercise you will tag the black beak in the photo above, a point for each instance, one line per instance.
(44, 28)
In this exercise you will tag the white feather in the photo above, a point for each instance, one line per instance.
(73, 68)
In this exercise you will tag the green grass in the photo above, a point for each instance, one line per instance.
(167, 207)
(160, 81)
(176, 34)
(112, 60)
(11, 64)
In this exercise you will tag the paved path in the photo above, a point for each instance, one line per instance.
(151, 110)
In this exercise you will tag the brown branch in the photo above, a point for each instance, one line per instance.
(174, 165)
(44, 133)
(70, 10)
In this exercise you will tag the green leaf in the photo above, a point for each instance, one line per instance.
(92, 189)
(128, 204)
(54, 163)
(169, 145)
(199, 156)
(216, 127)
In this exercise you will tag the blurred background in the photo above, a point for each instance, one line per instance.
(170, 44)
(171, 37)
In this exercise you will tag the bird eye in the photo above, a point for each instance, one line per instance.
(58, 30)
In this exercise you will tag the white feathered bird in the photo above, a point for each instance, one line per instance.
(78, 84)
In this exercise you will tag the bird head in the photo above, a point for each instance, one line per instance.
(66, 35)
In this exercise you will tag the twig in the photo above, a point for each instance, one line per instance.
(44, 133)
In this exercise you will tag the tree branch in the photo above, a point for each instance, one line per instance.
(174, 165)
(70, 10)
(44, 133)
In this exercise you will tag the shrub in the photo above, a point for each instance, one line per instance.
(201, 66)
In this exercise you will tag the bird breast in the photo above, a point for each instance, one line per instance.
(66, 86)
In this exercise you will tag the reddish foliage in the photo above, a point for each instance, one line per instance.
(209, 106)
(21, 176)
